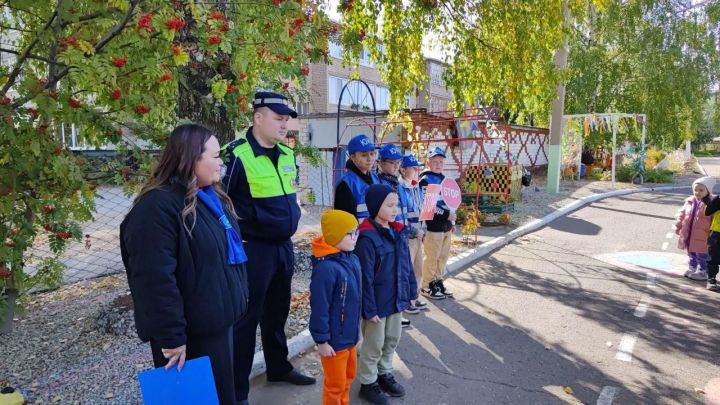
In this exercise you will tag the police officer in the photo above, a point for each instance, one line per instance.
(259, 180)
(359, 175)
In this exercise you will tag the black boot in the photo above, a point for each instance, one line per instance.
(388, 384)
(373, 394)
(295, 378)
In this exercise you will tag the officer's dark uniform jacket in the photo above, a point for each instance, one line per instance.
(262, 191)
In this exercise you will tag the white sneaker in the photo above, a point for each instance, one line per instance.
(700, 275)
(688, 273)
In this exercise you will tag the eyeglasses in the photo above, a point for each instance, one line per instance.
(354, 233)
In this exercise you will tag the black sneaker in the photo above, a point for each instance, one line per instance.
(712, 285)
(388, 384)
(444, 290)
(373, 394)
(433, 292)
(421, 305)
(404, 323)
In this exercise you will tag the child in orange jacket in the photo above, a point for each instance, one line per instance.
(335, 297)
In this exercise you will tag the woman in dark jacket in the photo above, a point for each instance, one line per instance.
(184, 258)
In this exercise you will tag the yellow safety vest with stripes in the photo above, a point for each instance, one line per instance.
(266, 180)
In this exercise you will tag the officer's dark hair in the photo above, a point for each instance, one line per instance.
(185, 146)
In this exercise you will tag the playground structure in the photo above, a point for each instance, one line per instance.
(578, 126)
(485, 155)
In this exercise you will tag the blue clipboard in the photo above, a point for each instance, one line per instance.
(194, 385)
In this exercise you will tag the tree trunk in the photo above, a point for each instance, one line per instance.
(194, 106)
(194, 100)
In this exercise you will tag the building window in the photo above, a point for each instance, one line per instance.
(365, 58)
(357, 93)
(335, 85)
(302, 108)
(382, 98)
(336, 50)
(436, 72)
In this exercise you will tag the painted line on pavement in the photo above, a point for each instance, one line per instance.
(650, 280)
(641, 310)
(665, 246)
(625, 348)
(607, 394)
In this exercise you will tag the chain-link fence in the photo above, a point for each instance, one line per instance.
(99, 253)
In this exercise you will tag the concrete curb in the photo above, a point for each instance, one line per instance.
(303, 342)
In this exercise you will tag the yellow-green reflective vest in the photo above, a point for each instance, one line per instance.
(264, 178)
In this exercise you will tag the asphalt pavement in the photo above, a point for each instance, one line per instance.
(590, 309)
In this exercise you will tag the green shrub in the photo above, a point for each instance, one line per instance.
(658, 176)
(624, 174)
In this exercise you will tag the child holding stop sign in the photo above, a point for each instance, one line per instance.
(439, 231)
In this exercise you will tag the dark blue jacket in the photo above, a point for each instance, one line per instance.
(273, 219)
(181, 284)
(388, 278)
(335, 297)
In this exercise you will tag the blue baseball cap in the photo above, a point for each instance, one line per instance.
(360, 143)
(410, 161)
(436, 151)
(390, 152)
(274, 101)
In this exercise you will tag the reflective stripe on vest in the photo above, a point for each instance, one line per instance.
(264, 179)
(357, 187)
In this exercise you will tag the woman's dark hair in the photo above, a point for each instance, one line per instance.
(176, 165)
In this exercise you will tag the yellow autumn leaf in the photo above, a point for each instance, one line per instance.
(181, 57)
(569, 390)
(86, 47)
(121, 5)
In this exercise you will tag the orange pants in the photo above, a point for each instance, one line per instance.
(339, 374)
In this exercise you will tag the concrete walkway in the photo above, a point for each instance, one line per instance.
(448, 349)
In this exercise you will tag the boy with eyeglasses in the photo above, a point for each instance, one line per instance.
(335, 297)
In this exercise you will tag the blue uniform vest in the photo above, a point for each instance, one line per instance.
(413, 204)
(357, 187)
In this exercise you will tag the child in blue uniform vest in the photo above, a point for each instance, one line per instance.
(413, 197)
(439, 232)
(389, 288)
(359, 175)
(335, 294)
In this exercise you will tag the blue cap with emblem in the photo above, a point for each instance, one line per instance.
(410, 161)
(360, 143)
(390, 152)
(436, 151)
(274, 101)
